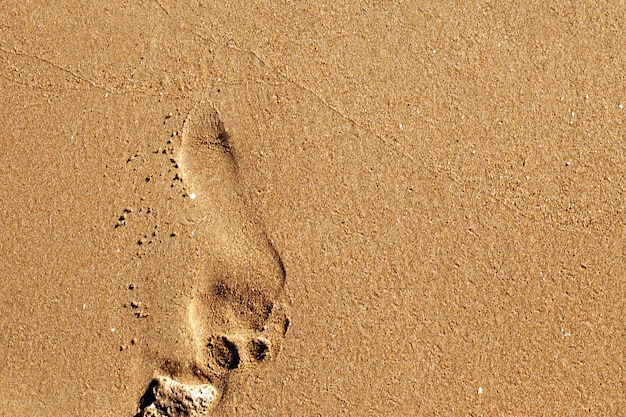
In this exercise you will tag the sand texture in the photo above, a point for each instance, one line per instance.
(312, 208)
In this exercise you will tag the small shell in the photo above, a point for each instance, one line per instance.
(173, 399)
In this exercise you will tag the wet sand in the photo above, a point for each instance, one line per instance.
(443, 185)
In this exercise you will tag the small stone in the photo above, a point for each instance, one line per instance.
(173, 399)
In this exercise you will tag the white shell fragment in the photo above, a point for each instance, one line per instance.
(173, 399)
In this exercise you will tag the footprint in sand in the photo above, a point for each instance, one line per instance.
(236, 315)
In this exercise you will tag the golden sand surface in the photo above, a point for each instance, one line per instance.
(313, 208)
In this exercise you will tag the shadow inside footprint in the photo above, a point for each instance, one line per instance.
(224, 352)
(259, 350)
(249, 304)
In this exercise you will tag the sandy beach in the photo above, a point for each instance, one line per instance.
(312, 209)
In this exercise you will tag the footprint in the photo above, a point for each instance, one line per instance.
(236, 313)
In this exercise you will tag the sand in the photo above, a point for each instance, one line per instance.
(292, 209)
